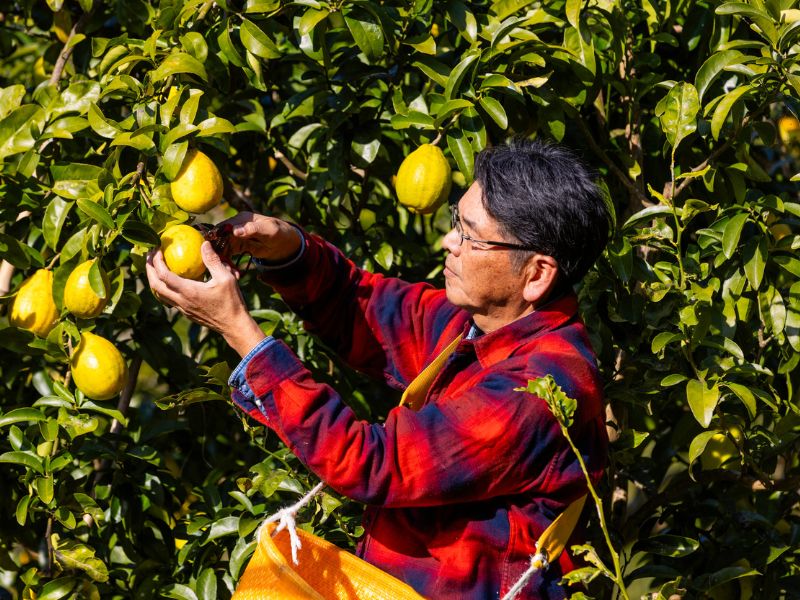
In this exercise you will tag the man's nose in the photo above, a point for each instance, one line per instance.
(452, 242)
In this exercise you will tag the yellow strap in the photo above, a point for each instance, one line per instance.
(553, 539)
(417, 390)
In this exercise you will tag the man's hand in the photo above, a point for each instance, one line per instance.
(263, 237)
(217, 303)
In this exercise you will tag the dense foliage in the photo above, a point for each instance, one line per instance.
(308, 108)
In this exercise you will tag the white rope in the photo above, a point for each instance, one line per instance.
(538, 563)
(286, 520)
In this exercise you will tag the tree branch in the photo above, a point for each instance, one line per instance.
(66, 50)
(293, 170)
(623, 178)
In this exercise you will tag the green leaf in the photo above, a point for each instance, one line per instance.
(732, 233)
(673, 546)
(16, 130)
(22, 415)
(104, 410)
(206, 585)
(222, 527)
(495, 110)
(573, 11)
(723, 108)
(714, 65)
(759, 17)
(137, 140)
(310, 20)
(10, 99)
(55, 215)
(462, 152)
(22, 458)
(745, 395)
(140, 233)
(699, 444)
(789, 263)
(436, 70)
(662, 340)
(227, 48)
(78, 97)
(458, 74)
(96, 212)
(256, 41)
(677, 112)
(21, 512)
(673, 379)
(13, 251)
(74, 555)
(176, 63)
(57, 588)
(702, 400)
(755, 259)
(366, 32)
(44, 488)
(178, 590)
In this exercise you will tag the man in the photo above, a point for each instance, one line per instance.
(458, 491)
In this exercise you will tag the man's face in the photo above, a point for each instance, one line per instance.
(480, 278)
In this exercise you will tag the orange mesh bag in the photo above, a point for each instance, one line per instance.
(324, 572)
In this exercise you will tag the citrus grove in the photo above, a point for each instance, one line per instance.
(125, 470)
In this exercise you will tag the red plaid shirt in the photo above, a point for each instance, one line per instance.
(459, 491)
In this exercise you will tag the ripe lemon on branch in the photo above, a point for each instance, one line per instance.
(79, 297)
(33, 307)
(98, 369)
(198, 186)
(423, 180)
(181, 247)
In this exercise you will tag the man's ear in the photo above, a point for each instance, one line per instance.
(541, 275)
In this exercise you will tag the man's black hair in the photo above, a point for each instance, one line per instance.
(543, 196)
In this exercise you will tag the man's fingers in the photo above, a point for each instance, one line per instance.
(213, 262)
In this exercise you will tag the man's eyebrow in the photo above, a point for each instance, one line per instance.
(467, 222)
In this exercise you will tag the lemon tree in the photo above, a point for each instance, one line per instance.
(125, 470)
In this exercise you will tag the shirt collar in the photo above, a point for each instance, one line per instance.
(492, 347)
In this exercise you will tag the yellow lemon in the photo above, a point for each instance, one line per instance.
(62, 24)
(788, 129)
(720, 449)
(181, 247)
(98, 368)
(198, 186)
(79, 297)
(435, 30)
(423, 180)
(33, 307)
(39, 74)
(780, 231)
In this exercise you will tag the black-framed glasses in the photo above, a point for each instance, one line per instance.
(455, 223)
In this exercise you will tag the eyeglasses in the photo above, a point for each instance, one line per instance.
(455, 223)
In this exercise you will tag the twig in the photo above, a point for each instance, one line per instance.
(716, 153)
(48, 534)
(138, 175)
(66, 50)
(293, 170)
(122, 406)
(623, 178)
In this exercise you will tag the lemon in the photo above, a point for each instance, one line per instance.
(79, 297)
(788, 129)
(181, 247)
(98, 368)
(39, 73)
(33, 307)
(423, 180)
(720, 449)
(198, 186)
